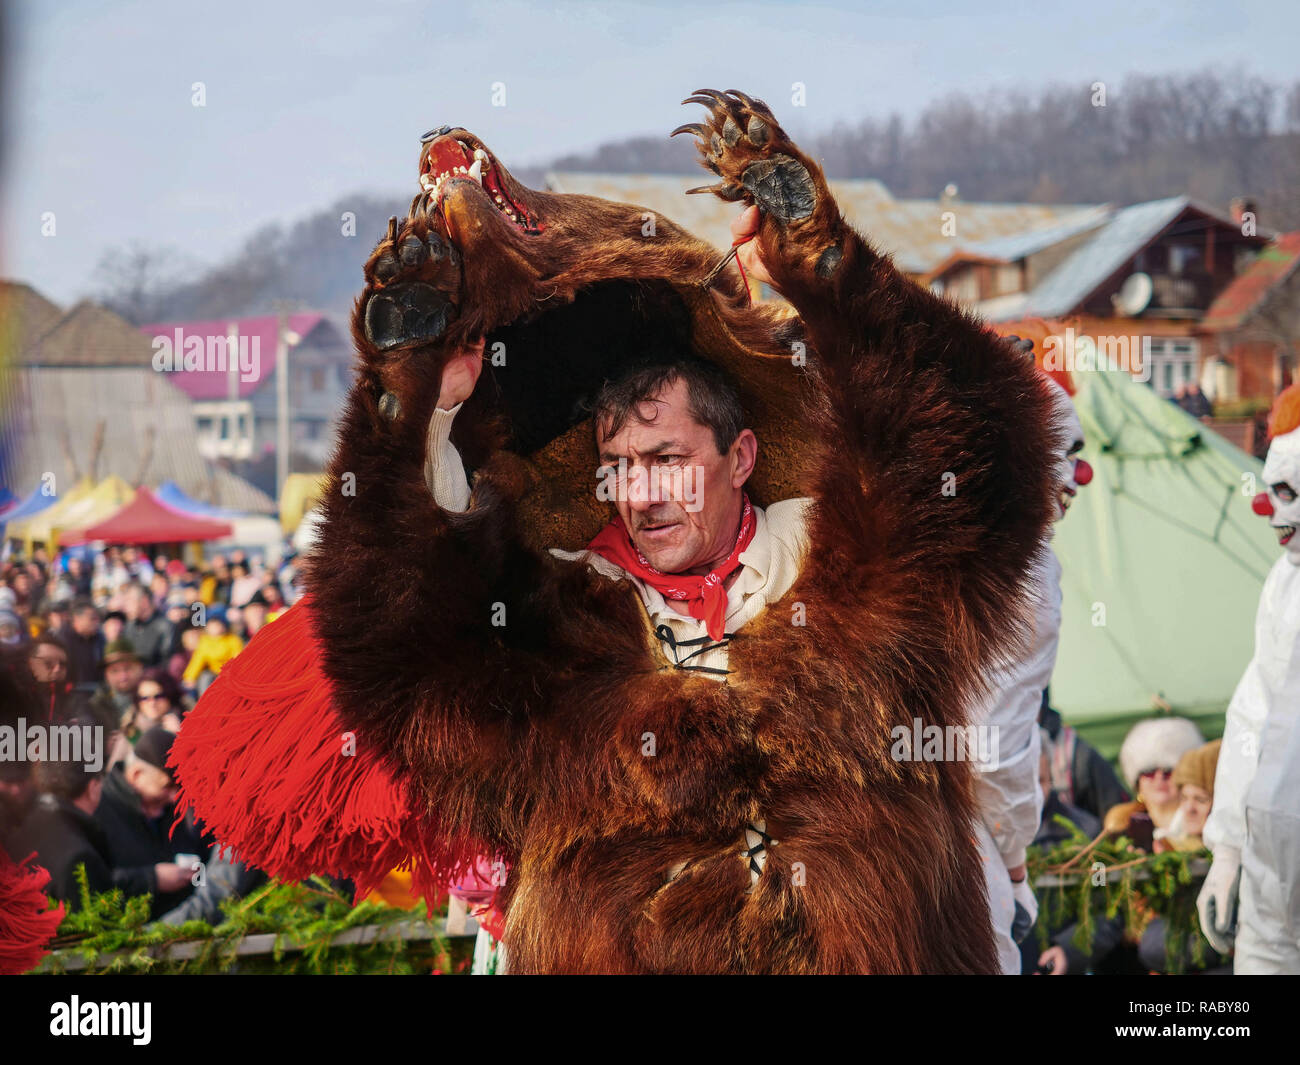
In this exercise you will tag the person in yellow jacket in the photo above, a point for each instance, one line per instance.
(217, 646)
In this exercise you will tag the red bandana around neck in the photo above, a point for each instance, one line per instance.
(705, 596)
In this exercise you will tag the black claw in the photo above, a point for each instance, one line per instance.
(392, 230)
(730, 193)
(412, 251)
(406, 315)
(750, 102)
(690, 127)
(700, 98)
(386, 268)
(434, 133)
(714, 95)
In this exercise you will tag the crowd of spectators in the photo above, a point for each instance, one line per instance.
(120, 646)
(1160, 804)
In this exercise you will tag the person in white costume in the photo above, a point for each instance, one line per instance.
(1010, 799)
(1253, 829)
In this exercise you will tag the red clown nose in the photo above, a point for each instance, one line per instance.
(1082, 472)
(1261, 506)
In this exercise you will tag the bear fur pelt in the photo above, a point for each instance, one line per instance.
(928, 461)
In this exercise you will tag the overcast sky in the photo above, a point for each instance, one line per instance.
(308, 102)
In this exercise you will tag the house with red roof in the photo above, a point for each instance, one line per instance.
(1252, 329)
(228, 369)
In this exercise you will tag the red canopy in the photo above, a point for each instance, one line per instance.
(145, 520)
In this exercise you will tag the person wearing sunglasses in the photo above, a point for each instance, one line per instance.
(1147, 759)
(156, 702)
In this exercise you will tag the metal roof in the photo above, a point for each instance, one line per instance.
(1128, 232)
(912, 231)
(1018, 245)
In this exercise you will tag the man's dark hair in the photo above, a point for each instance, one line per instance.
(47, 638)
(712, 396)
(66, 779)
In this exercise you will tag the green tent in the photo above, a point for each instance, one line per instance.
(1163, 561)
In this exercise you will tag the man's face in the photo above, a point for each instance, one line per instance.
(16, 798)
(155, 787)
(122, 677)
(1282, 479)
(680, 499)
(48, 663)
(138, 604)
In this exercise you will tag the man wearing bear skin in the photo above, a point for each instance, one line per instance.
(675, 733)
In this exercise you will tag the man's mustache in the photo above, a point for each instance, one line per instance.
(656, 518)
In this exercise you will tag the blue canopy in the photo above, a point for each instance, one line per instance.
(35, 502)
(171, 494)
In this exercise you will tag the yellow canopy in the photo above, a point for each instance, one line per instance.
(83, 505)
(22, 529)
(300, 493)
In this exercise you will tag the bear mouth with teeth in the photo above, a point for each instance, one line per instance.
(566, 290)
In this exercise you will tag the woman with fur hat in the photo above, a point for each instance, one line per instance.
(1148, 757)
(1194, 779)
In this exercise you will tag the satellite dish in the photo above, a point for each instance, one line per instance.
(1134, 295)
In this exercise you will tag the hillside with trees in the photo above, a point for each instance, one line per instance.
(1212, 135)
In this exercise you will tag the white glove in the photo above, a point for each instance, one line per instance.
(1217, 902)
(1026, 908)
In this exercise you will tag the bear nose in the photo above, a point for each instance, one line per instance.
(1082, 472)
(1261, 505)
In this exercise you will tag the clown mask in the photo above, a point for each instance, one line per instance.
(1071, 472)
(1281, 503)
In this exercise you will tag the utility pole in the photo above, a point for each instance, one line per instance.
(281, 397)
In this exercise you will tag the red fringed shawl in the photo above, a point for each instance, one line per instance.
(27, 923)
(262, 762)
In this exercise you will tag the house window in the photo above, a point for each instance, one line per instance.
(1182, 259)
(1173, 363)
